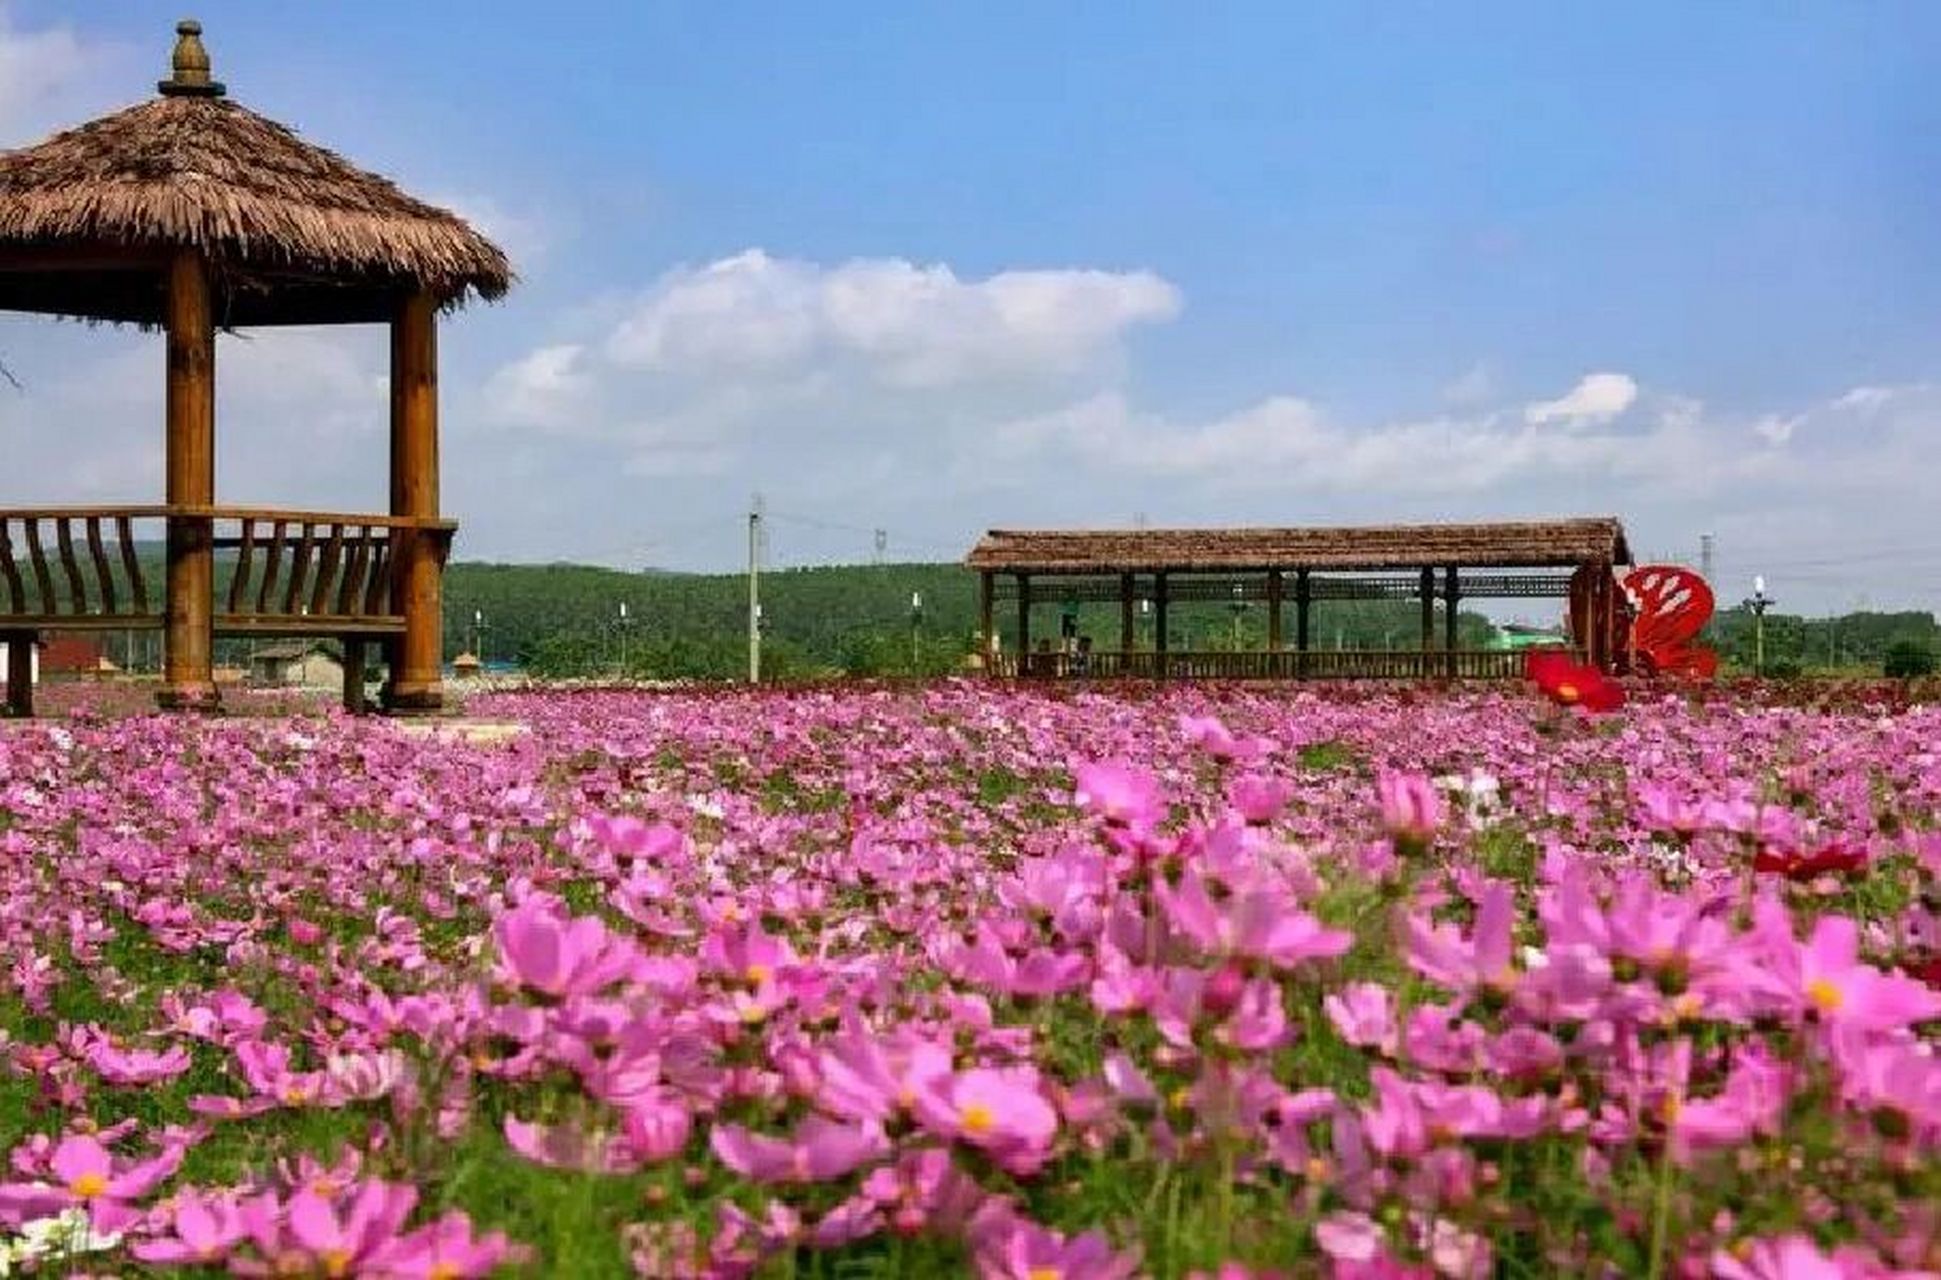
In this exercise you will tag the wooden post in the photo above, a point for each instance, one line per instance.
(1024, 623)
(20, 672)
(1451, 592)
(1159, 623)
(1428, 593)
(1275, 590)
(417, 657)
(986, 626)
(1127, 636)
(188, 643)
(354, 653)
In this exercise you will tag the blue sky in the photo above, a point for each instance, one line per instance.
(935, 267)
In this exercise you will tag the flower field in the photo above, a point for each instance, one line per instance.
(969, 980)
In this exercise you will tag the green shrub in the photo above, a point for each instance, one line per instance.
(1908, 660)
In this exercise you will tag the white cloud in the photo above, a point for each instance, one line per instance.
(521, 235)
(1777, 429)
(549, 387)
(1475, 386)
(904, 324)
(44, 75)
(1597, 398)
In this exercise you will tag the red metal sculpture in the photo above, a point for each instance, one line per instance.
(1670, 606)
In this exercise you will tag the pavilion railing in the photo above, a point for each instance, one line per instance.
(1282, 664)
(103, 568)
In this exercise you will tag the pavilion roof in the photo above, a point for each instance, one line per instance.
(1503, 544)
(294, 232)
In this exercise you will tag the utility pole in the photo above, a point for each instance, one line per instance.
(623, 639)
(882, 544)
(754, 591)
(1705, 557)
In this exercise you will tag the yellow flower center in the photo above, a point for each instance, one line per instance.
(336, 1262)
(1044, 1273)
(978, 1118)
(1668, 1108)
(1180, 1098)
(906, 1097)
(442, 1270)
(1568, 693)
(1825, 996)
(753, 1013)
(757, 974)
(1317, 1169)
(88, 1185)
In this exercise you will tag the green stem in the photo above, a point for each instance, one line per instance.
(1661, 1214)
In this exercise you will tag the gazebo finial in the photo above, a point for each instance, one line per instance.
(191, 65)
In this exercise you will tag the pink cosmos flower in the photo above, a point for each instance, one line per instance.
(1790, 1257)
(1411, 808)
(1003, 1111)
(1121, 795)
(1259, 799)
(446, 1250)
(867, 1077)
(1211, 736)
(91, 1178)
(1257, 922)
(205, 1228)
(557, 957)
(137, 1066)
(1825, 977)
(821, 1150)
(347, 1242)
(1441, 952)
(1009, 1247)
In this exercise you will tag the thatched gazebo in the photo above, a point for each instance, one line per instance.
(190, 213)
(1571, 560)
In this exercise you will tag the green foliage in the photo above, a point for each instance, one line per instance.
(564, 621)
(1908, 660)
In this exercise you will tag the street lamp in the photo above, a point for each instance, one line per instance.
(1758, 603)
(1239, 608)
(621, 626)
(478, 635)
(916, 626)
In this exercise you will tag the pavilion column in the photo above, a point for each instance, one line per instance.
(1303, 597)
(1024, 623)
(1159, 643)
(1451, 593)
(19, 672)
(416, 681)
(1126, 635)
(1275, 590)
(986, 624)
(1428, 593)
(188, 642)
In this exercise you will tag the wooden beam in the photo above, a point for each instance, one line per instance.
(188, 675)
(1127, 635)
(416, 682)
(54, 259)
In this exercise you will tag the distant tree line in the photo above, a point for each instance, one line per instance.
(565, 620)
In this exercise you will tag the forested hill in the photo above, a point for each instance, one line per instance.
(565, 620)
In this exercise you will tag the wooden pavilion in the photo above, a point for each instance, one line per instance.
(190, 213)
(1571, 560)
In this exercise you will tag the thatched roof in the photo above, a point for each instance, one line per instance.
(294, 233)
(1518, 544)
